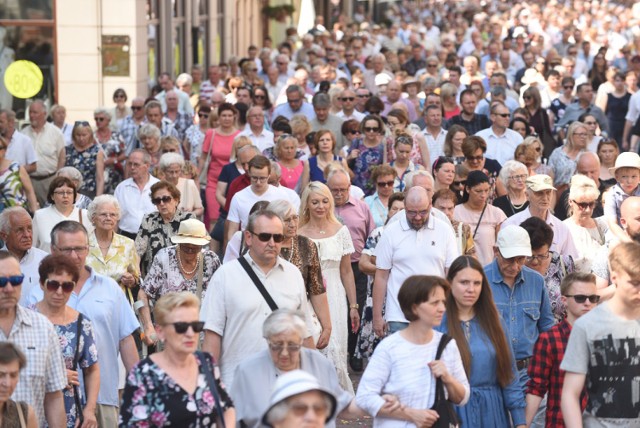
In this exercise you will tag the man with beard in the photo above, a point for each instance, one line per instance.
(417, 244)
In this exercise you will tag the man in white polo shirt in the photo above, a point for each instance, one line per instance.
(417, 244)
(261, 137)
(501, 141)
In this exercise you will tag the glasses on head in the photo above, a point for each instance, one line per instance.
(63, 192)
(135, 108)
(182, 327)
(14, 280)
(385, 183)
(539, 257)
(69, 250)
(279, 347)
(162, 199)
(520, 177)
(81, 123)
(585, 205)
(460, 183)
(581, 298)
(258, 179)
(347, 98)
(99, 119)
(371, 129)
(412, 213)
(266, 237)
(53, 285)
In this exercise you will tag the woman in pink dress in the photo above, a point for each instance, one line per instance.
(292, 168)
(218, 141)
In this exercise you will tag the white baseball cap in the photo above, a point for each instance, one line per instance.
(513, 241)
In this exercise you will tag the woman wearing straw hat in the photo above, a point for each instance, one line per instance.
(186, 266)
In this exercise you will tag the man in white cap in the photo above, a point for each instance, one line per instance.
(540, 194)
(519, 294)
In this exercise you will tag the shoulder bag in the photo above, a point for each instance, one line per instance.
(76, 357)
(213, 386)
(448, 417)
(258, 283)
(205, 169)
(21, 417)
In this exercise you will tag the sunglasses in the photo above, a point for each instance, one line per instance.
(371, 129)
(460, 183)
(15, 280)
(505, 115)
(99, 119)
(353, 131)
(568, 87)
(266, 237)
(585, 205)
(182, 327)
(203, 115)
(347, 98)
(526, 97)
(81, 123)
(136, 107)
(475, 158)
(164, 199)
(259, 97)
(385, 183)
(53, 285)
(581, 298)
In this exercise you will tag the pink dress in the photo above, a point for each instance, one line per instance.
(291, 176)
(220, 154)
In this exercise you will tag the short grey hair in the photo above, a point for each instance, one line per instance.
(105, 111)
(168, 159)
(149, 130)
(408, 179)
(282, 207)
(509, 168)
(98, 201)
(7, 214)
(275, 168)
(184, 78)
(67, 226)
(336, 171)
(284, 321)
(71, 173)
(321, 100)
(146, 157)
(54, 109)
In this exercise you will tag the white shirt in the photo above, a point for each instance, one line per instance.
(262, 141)
(46, 218)
(562, 238)
(243, 201)
(235, 309)
(354, 115)
(634, 108)
(48, 143)
(21, 150)
(66, 130)
(500, 148)
(404, 251)
(134, 204)
(435, 145)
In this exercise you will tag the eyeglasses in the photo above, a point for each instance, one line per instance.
(585, 205)
(581, 298)
(385, 183)
(99, 119)
(538, 258)
(502, 114)
(78, 250)
(475, 158)
(258, 179)
(364, 96)
(521, 177)
(580, 134)
(412, 213)
(15, 280)
(432, 65)
(266, 237)
(339, 191)
(182, 327)
(460, 183)
(107, 215)
(279, 347)
(135, 108)
(53, 285)
(162, 199)
(371, 129)
(511, 260)
(348, 98)
(81, 123)
(63, 192)
(527, 97)
(205, 115)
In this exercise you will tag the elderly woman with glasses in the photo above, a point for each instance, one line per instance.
(86, 156)
(474, 148)
(514, 176)
(563, 159)
(367, 152)
(158, 227)
(149, 136)
(62, 197)
(178, 386)
(58, 277)
(284, 331)
(384, 178)
(171, 165)
(186, 266)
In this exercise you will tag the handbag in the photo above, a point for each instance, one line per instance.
(208, 371)
(205, 169)
(76, 357)
(447, 415)
(258, 283)
(23, 422)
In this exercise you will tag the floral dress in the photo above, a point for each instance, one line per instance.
(112, 148)
(363, 165)
(153, 399)
(85, 161)
(195, 138)
(559, 267)
(367, 339)
(11, 189)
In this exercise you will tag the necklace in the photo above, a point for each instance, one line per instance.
(515, 207)
(290, 249)
(186, 272)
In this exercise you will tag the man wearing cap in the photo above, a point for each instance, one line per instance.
(501, 141)
(540, 194)
(520, 295)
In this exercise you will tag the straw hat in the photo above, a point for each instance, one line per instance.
(191, 231)
(626, 160)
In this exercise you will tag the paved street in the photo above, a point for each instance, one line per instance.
(363, 422)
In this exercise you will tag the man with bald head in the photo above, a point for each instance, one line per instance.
(417, 244)
(587, 164)
(394, 95)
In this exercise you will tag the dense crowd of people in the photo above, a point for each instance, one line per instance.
(447, 203)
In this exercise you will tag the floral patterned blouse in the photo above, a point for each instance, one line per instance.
(558, 269)
(363, 165)
(153, 399)
(154, 234)
(11, 189)
(121, 254)
(195, 138)
(164, 275)
(304, 254)
(85, 161)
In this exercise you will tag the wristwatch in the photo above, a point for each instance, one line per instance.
(354, 306)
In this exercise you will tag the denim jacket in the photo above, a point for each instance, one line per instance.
(525, 308)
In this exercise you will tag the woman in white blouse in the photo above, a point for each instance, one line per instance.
(404, 363)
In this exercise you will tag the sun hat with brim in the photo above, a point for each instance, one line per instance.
(540, 182)
(410, 81)
(513, 241)
(532, 76)
(191, 231)
(626, 160)
(293, 383)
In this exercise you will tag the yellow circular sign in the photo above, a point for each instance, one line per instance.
(23, 79)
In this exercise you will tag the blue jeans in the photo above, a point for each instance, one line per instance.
(394, 326)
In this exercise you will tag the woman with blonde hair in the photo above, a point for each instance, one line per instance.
(300, 128)
(563, 160)
(532, 151)
(318, 223)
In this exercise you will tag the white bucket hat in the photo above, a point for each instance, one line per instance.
(191, 231)
(626, 160)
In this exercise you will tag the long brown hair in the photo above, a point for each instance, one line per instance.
(487, 315)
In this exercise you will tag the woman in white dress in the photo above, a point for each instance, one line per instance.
(318, 223)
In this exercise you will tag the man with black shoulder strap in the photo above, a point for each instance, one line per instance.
(236, 305)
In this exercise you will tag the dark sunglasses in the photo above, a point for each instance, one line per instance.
(182, 327)
(385, 183)
(371, 129)
(581, 298)
(502, 114)
(460, 183)
(165, 199)
(53, 285)
(259, 97)
(81, 123)
(15, 280)
(266, 237)
(136, 107)
(475, 158)
(347, 98)
(568, 87)
(203, 114)
(526, 97)
(99, 119)
(353, 131)
(585, 205)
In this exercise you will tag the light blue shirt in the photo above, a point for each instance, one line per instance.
(103, 302)
(378, 210)
(285, 110)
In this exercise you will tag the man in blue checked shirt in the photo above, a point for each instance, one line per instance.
(519, 294)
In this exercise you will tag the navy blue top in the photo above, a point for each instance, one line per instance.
(315, 173)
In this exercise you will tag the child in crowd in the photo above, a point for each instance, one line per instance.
(627, 173)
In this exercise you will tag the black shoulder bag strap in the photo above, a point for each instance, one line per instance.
(76, 358)
(444, 341)
(258, 283)
(213, 386)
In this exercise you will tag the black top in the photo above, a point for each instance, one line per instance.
(504, 203)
